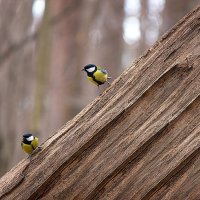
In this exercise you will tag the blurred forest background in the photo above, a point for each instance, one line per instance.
(44, 45)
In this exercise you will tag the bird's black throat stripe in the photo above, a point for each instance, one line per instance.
(32, 147)
(26, 141)
(91, 74)
(99, 82)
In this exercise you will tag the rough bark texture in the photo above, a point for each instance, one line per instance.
(139, 140)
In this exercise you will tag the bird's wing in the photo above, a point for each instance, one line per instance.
(102, 70)
(34, 143)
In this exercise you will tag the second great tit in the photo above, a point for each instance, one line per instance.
(29, 143)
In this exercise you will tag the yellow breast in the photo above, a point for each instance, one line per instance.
(29, 148)
(100, 76)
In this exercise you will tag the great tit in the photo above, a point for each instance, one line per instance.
(29, 143)
(96, 74)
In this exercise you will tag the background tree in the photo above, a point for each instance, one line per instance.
(16, 78)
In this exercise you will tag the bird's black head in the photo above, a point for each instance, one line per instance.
(90, 68)
(28, 138)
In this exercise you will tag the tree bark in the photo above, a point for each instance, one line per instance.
(140, 139)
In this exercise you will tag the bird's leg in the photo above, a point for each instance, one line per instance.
(99, 91)
(29, 156)
(39, 147)
(109, 83)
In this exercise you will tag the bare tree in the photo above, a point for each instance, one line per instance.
(64, 69)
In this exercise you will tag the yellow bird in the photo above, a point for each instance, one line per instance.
(96, 74)
(29, 143)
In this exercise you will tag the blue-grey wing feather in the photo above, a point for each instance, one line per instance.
(104, 71)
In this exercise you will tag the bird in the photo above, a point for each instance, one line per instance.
(96, 74)
(29, 143)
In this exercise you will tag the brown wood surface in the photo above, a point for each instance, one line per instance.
(139, 140)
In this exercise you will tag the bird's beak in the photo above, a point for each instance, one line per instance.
(83, 69)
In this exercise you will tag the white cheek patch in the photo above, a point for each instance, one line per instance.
(30, 138)
(90, 69)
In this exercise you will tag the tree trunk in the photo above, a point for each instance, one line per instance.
(16, 79)
(140, 139)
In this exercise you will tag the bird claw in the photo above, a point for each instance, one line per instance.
(39, 147)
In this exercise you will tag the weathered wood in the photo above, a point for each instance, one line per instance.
(139, 140)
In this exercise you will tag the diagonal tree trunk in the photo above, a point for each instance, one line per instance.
(139, 140)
